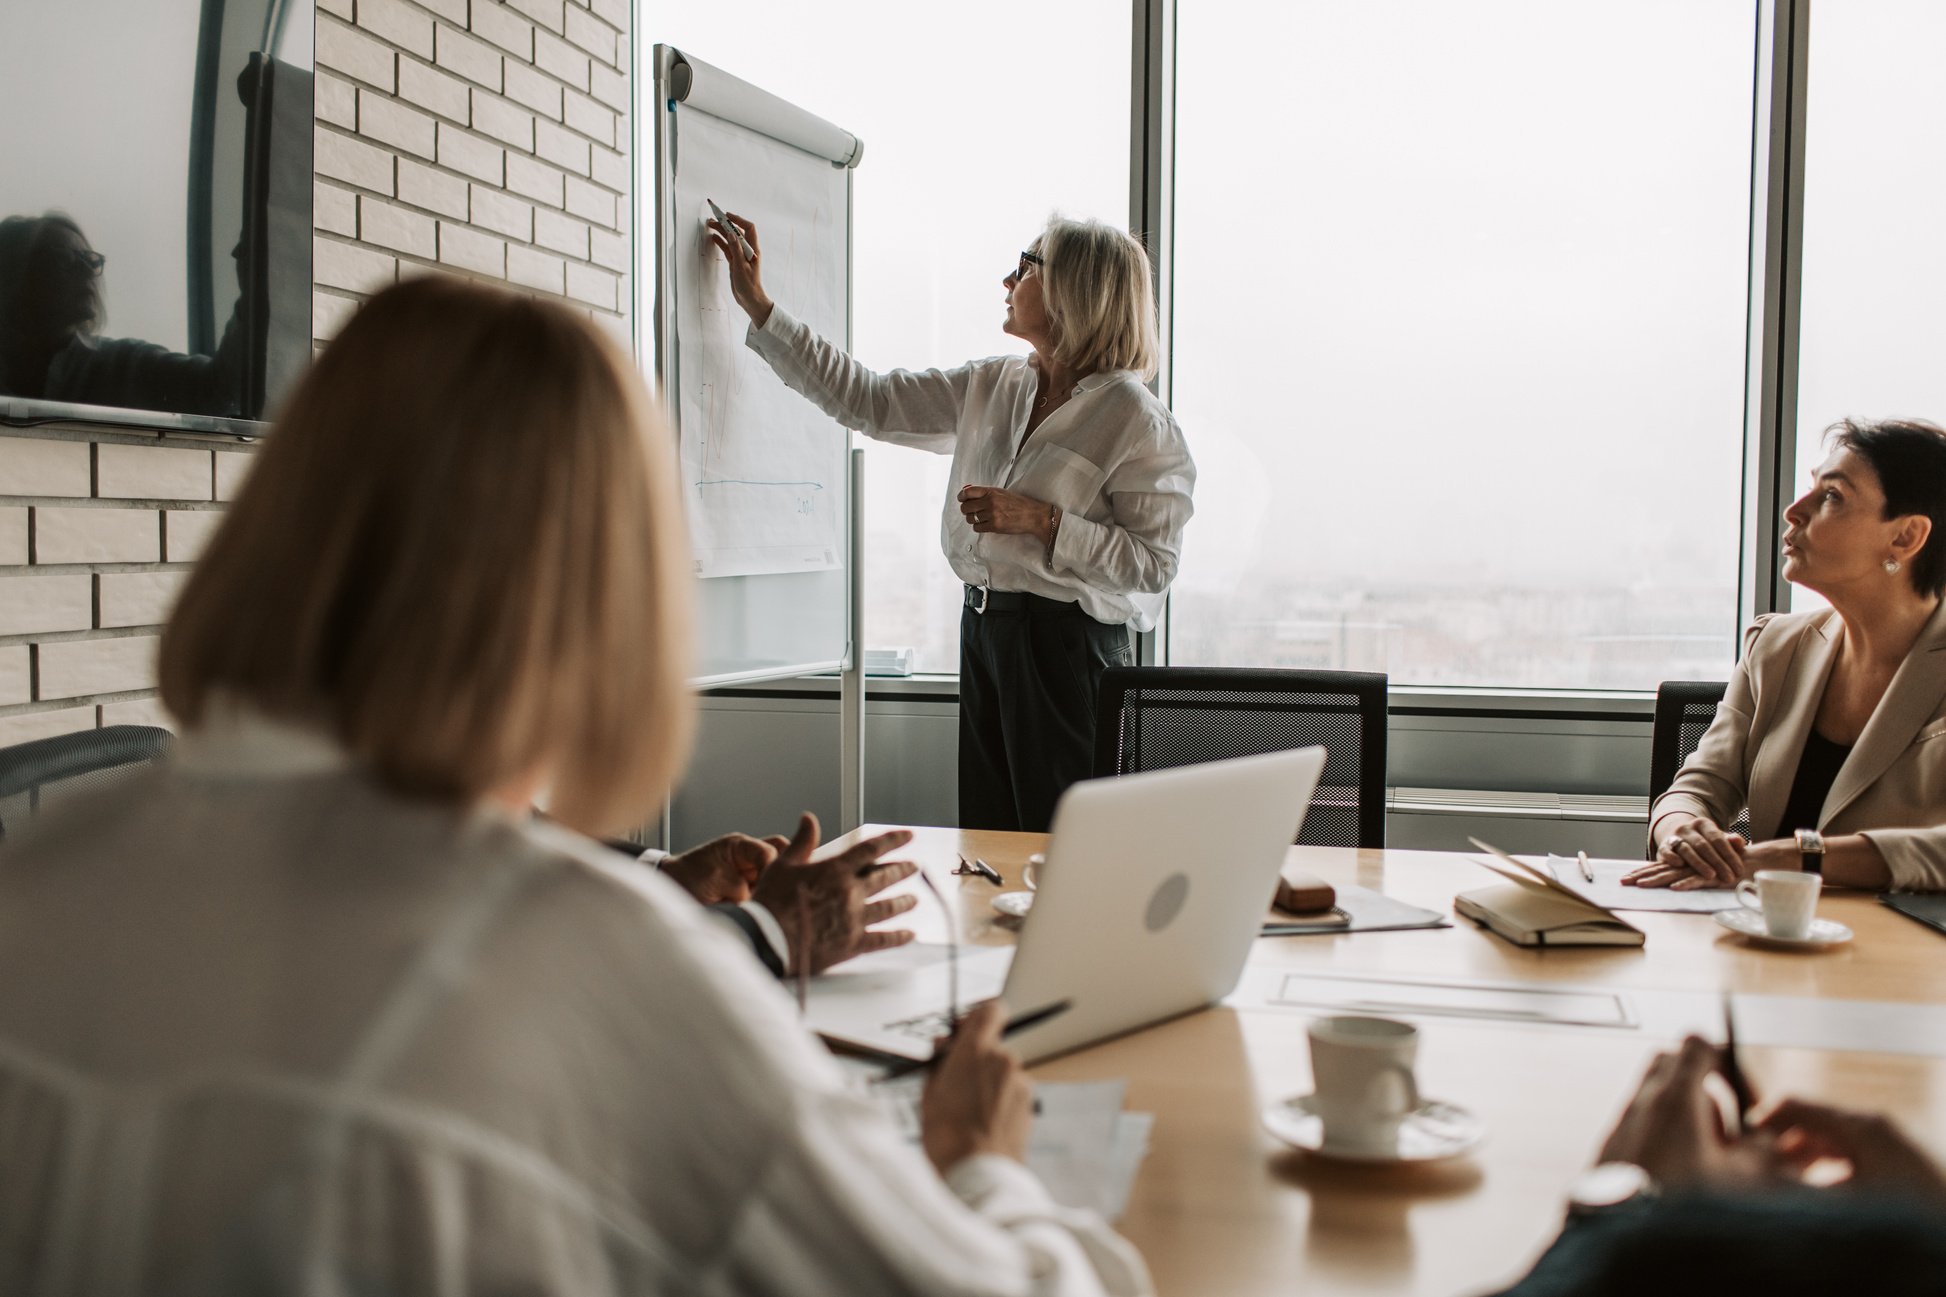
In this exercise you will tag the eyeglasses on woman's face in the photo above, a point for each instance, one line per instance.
(86, 260)
(1028, 260)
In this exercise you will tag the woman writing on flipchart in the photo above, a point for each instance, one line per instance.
(1072, 486)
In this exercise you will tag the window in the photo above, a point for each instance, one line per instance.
(978, 124)
(1874, 258)
(1460, 295)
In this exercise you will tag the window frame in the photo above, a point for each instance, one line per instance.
(1778, 114)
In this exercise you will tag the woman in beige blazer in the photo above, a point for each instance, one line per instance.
(1833, 731)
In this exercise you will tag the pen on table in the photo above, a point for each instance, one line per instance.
(743, 244)
(1016, 1024)
(1733, 1067)
(1587, 873)
(983, 869)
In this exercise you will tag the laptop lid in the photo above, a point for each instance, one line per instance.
(1155, 886)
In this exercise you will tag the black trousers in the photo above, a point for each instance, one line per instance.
(1029, 671)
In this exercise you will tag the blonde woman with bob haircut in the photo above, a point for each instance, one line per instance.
(1073, 486)
(318, 1007)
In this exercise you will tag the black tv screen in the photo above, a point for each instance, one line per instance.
(155, 210)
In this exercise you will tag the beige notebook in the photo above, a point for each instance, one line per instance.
(1531, 909)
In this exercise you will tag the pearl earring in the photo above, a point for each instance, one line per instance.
(1892, 565)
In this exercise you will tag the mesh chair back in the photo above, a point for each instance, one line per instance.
(1683, 711)
(1153, 718)
(35, 775)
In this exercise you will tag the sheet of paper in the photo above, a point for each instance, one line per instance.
(763, 468)
(1607, 890)
(1335, 993)
(1084, 1148)
(1365, 911)
(896, 1001)
(1797, 1022)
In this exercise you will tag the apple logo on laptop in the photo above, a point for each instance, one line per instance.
(1167, 901)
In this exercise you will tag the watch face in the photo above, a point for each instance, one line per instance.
(1610, 1185)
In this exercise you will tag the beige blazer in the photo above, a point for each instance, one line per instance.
(1892, 788)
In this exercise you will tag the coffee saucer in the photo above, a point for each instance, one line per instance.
(1014, 904)
(1434, 1131)
(1749, 923)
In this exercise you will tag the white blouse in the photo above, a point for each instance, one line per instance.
(1113, 459)
(265, 1028)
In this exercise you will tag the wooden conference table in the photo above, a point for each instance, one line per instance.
(1221, 1207)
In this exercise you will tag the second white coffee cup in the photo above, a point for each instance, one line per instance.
(1364, 1086)
(1787, 899)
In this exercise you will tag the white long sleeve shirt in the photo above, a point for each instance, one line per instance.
(1113, 459)
(266, 1028)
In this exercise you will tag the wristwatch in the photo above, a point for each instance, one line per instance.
(1608, 1188)
(1810, 851)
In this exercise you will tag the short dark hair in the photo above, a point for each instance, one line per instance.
(1909, 456)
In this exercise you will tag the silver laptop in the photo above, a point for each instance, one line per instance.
(1155, 886)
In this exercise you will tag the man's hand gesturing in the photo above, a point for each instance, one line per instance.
(833, 897)
(723, 869)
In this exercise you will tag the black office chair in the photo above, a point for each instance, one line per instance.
(1683, 711)
(1153, 718)
(35, 774)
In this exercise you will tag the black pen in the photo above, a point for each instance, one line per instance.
(1733, 1069)
(1016, 1024)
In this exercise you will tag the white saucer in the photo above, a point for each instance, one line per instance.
(1748, 923)
(1435, 1131)
(1014, 904)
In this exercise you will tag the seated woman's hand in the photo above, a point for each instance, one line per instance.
(1695, 854)
(978, 1099)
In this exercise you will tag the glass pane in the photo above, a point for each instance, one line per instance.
(1459, 335)
(1874, 254)
(978, 124)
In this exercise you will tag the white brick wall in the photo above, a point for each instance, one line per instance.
(230, 470)
(488, 138)
(185, 533)
(397, 228)
(96, 536)
(152, 473)
(137, 711)
(13, 536)
(432, 189)
(135, 598)
(35, 604)
(36, 467)
(433, 90)
(16, 674)
(26, 727)
(388, 122)
(83, 668)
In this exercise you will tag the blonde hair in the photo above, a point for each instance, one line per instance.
(460, 553)
(1100, 300)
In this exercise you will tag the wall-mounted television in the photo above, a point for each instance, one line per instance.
(155, 210)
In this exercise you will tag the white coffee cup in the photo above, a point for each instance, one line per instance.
(1036, 863)
(1363, 1086)
(1788, 900)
